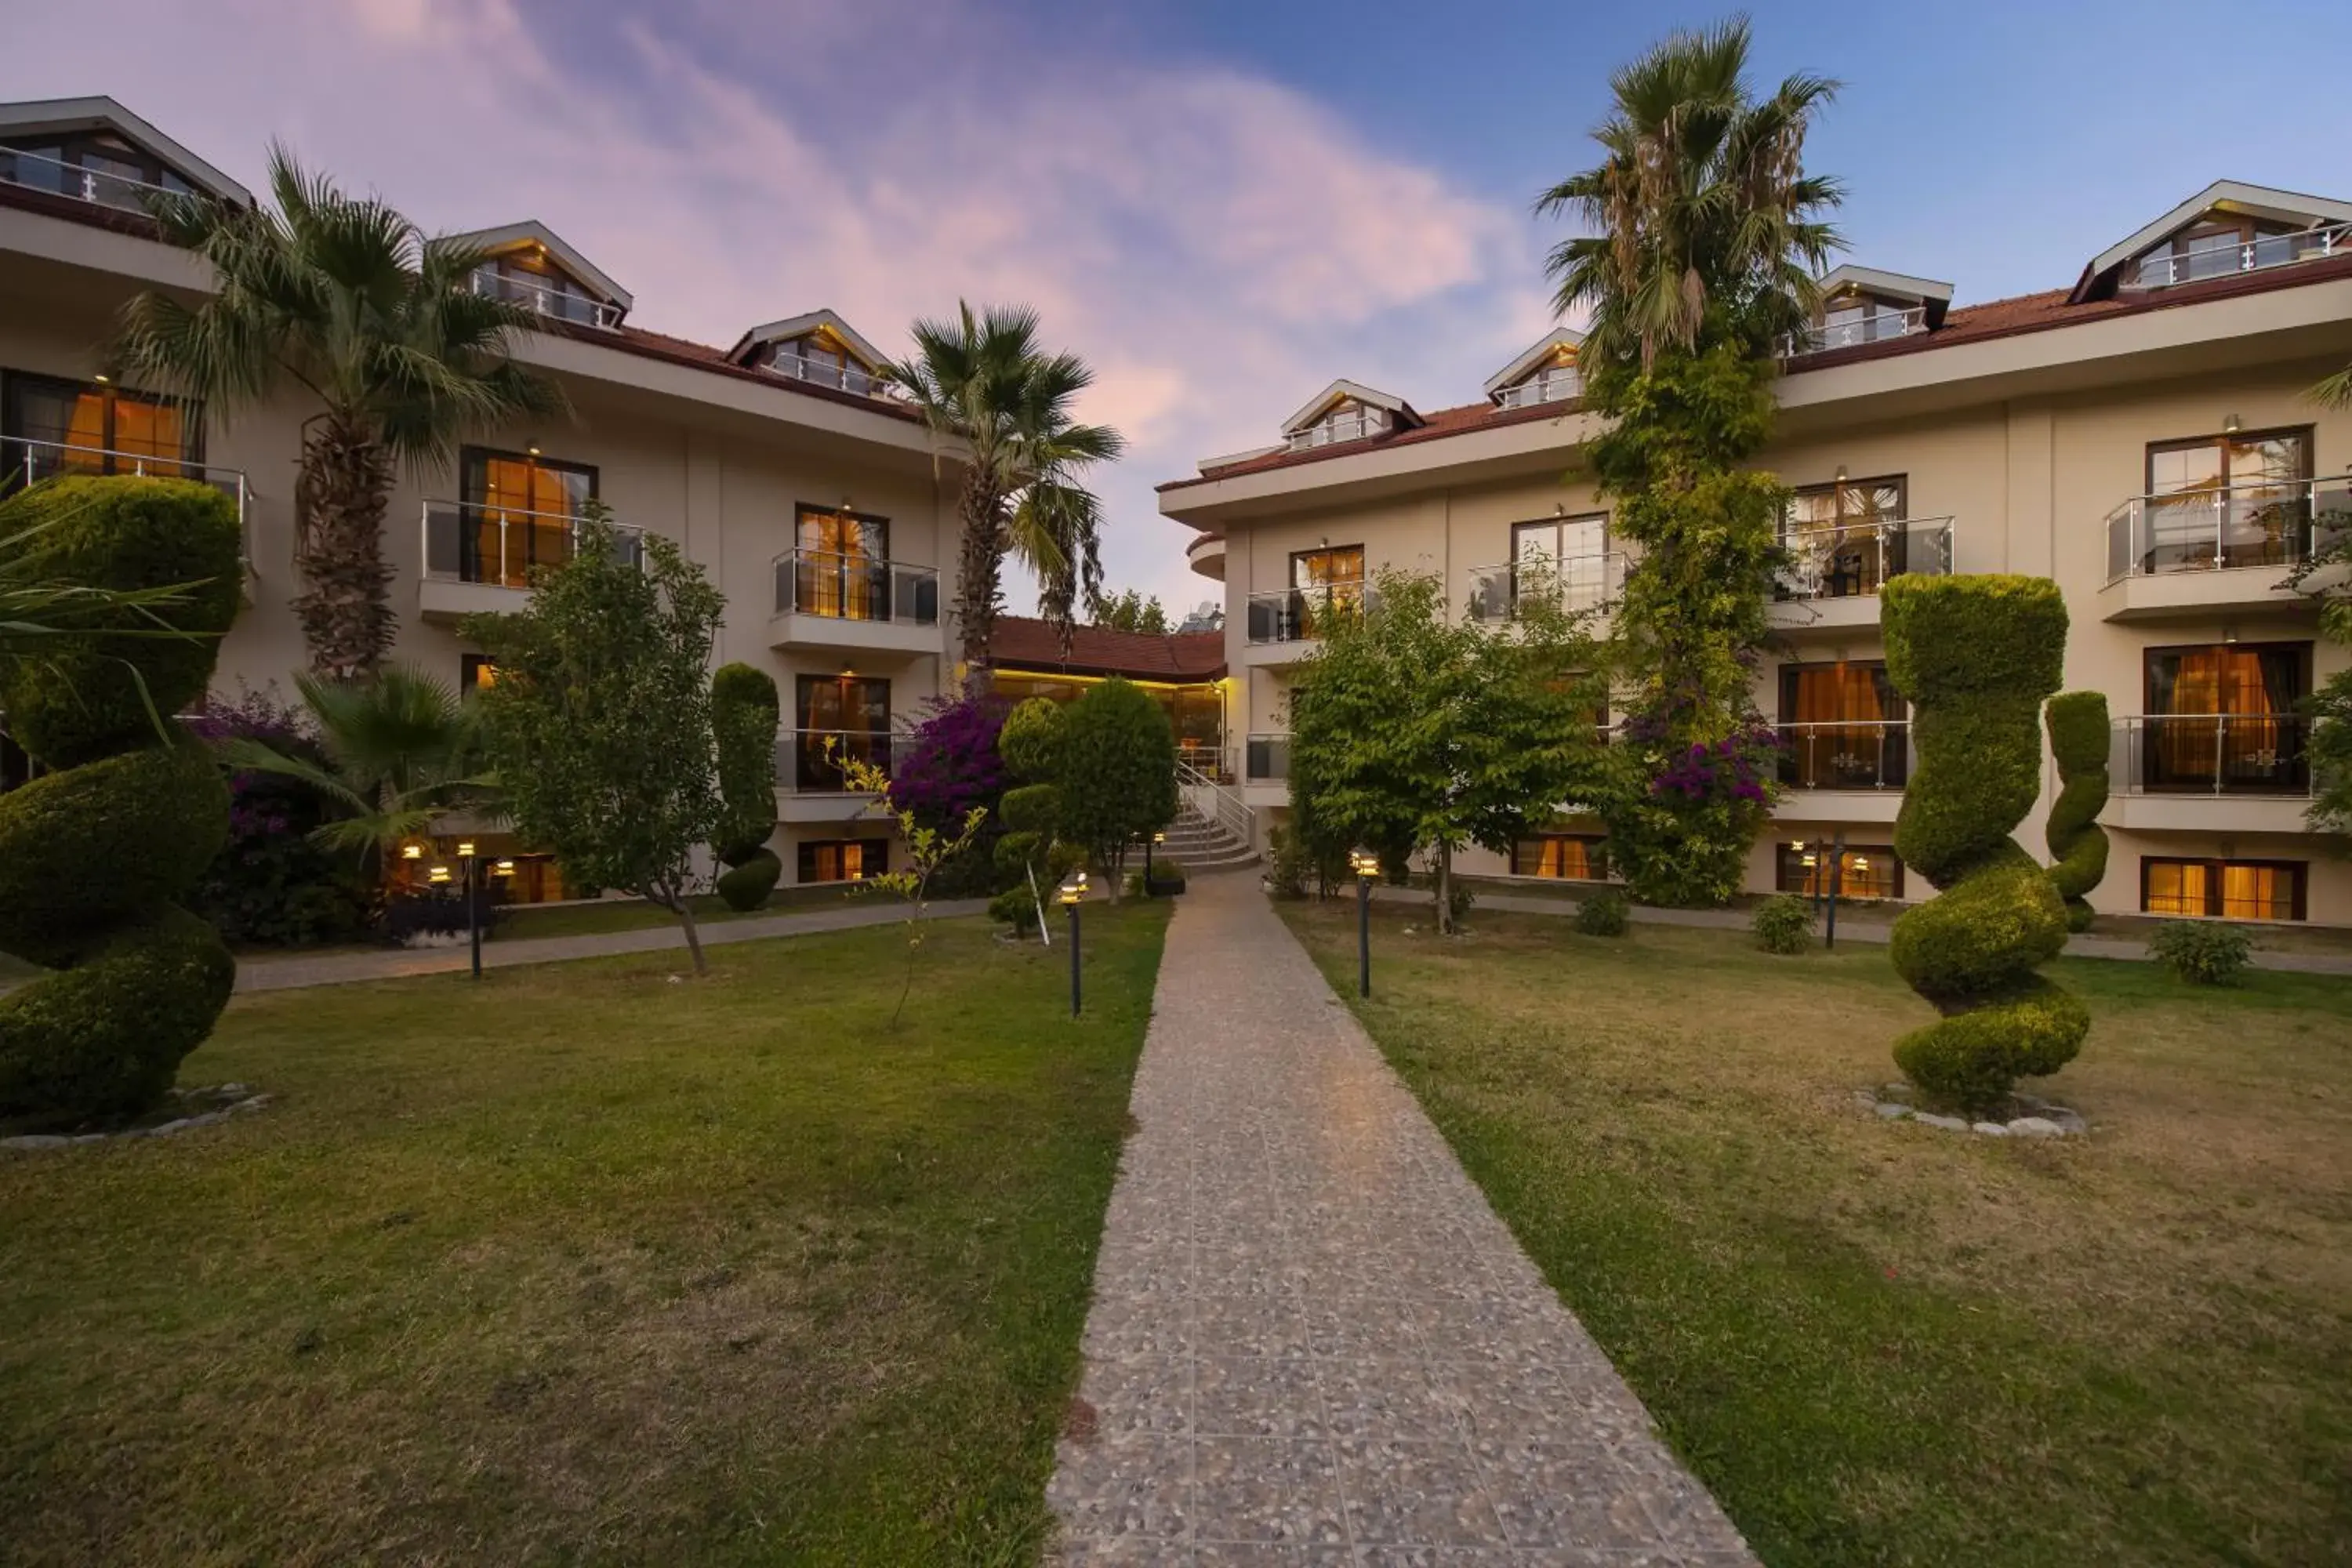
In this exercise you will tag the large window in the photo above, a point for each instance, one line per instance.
(2222, 889)
(93, 167)
(2224, 718)
(49, 427)
(1568, 856)
(2229, 501)
(853, 713)
(1865, 870)
(518, 510)
(1567, 556)
(1846, 538)
(843, 860)
(1842, 727)
(842, 567)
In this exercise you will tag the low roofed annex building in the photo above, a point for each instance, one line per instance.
(2142, 438)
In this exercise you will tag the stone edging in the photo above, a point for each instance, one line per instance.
(230, 1100)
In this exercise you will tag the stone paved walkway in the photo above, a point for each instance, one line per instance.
(1312, 1342)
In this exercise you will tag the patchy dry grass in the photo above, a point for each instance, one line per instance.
(1881, 1343)
(580, 1265)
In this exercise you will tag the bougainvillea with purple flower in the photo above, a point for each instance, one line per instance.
(951, 767)
(271, 886)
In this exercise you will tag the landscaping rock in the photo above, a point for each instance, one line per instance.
(2035, 1127)
(1992, 1129)
(1891, 1111)
(36, 1141)
(1949, 1123)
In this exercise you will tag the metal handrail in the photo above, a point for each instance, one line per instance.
(846, 377)
(68, 457)
(1331, 432)
(2212, 753)
(2257, 524)
(1803, 764)
(519, 535)
(1578, 584)
(1288, 614)
(1225, 808)
(561, 303)
(97, 186)
(1548, 386)
(862, 587)
(2259, 254)
(1888, 548)
(1825, 335)
(804, 764)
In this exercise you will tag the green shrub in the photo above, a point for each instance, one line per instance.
(93, 854)
(1014, 907)
(744, 713)
(1783, 924)
(1287, 863)
(1604, 914)
(1115, 770)
(1975, 655)
(1459, 897)
(2078, 845)
(2203, 953)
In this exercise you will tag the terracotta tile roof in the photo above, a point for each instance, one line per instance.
(1029, 645)
(1963, 324)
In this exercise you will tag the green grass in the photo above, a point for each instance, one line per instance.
(527, 922)
(580, 1265)
(1880, 1343)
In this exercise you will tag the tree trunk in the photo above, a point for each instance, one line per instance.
(1445, 889)
(682, 906)
(339, 501)
(1117, 863)
(980, 572)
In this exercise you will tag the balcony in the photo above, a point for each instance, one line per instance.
(1559, 385)
(1206, 555)
(1579, 584)
(31, 461)
(1355, 426)
(545, 298)
(1285, 625)
(1880, 327)
(2247, 773)
(480, 559)
(1834, 575)
(1866, 758)
(2186, 555)
(99, 186)
(808, 778)
(2222, 256)
(831, 602)
(841, 374)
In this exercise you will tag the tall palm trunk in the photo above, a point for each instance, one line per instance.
(339, 502)
(980, 581)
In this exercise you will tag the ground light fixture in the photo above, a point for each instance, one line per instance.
(1155, 838)
(1072, 893)
(473, 902)
(1367, 867)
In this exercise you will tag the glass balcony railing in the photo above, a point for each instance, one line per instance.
(841, 374)
(2224, 254)
(2268, 523)
(1340, 428)
(856, 588)
(1297, 615)
(1846, 562)
(1876, 328)
(1857, 753)
(101, 186)
(2212, 753)
(546, 298)
(808, 762)
(1577, 584)
(1557, 386)
(1266, 758)
(28, 462)
(501, 546)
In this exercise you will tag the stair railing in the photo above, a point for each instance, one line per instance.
(1225, 808)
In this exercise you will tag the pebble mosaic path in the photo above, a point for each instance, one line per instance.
(1312, 1342)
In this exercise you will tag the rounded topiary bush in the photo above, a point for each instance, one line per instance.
(94, 853)
(744, 710)
(1604, 914)
(2078, 845)
(1783, 924)
(1975, 655)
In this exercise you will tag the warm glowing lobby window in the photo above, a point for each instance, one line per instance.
(2222, 889)
(475, 672)
(1568, 856)
(1871, 870)
(843, 859)
(107, 428)
(842, 565)
(1842, 727)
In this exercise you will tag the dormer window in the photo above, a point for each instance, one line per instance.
(1546, 373)
(1346, 411)
(2223, 243)
(93, 150)
(1553, 383)
(1863, 305)
(817, 350)
(1346, 421)
(816, 358)
(525, 264)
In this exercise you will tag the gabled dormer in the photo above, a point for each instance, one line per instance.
(1864, 305)
(2225, 228)
(1547, 372)
(94, 150)
(529, 264)
(1346, 411)
(819, 347)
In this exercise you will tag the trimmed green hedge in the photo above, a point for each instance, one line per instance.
(1975, 655)
(2078, 845)
(93, 854)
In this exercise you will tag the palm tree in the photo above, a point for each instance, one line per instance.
(1701, 207)
(350, 301)
(400, 752)
(983, 382)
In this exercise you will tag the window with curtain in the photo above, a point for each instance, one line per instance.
(1842, 727)
(851, 711)
(843, 860)
(1566, 856)
(1846, 537)
(475, 672)
(2224, 718)
(48, 427)
(1869, 870)
(1329, 579)
(2222, 889)
(519, 511)
(2227, 501)
(843, 564)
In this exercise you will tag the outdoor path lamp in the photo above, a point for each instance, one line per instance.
(1072, 894)
(1367, 867)
(473, 902)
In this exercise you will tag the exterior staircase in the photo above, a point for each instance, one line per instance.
(1213, 831)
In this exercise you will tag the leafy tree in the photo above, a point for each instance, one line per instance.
(600, 724)
(1132, 612)
(1116, 772)
(1028, 856)
(982, 382)
(350, 301)
(928, 850)
(1706, 234)
(744, 711)
(1410, 733)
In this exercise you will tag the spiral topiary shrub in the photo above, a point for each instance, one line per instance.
(2078, 845)
(94, 853)
(1975, 655)
(744, 709)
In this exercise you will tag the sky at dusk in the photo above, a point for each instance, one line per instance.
(1221, 205)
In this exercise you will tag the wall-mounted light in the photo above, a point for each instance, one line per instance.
(2233, 425)
(533, 450)
(2229, 631)
(101, 378)
(1840, 473)
(412, 852)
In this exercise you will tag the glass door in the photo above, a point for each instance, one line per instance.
(853, 713)
(842, 565)
(2227, 501)
(1846, 538)
(2225, 719)
(520, 512)
(1571, 554)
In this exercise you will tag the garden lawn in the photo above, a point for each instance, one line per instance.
(1882, 1343)
(578, 1264)
(527, 922)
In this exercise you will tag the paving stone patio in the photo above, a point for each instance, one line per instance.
(1312, 1342)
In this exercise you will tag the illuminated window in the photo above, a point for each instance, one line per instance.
(843, 859)
(475, 672)
(2222, 889)
(1871, 870)
(843, 564)
(1842, 727)
(1566, 856)
(521, 510)
(65, 426)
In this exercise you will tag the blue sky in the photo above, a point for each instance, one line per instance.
(1222, 206)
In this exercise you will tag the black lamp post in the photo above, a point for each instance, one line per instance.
(1072, 893)
(1155, 838)
(473, 900)
(1837, 886)
(1367, 867)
